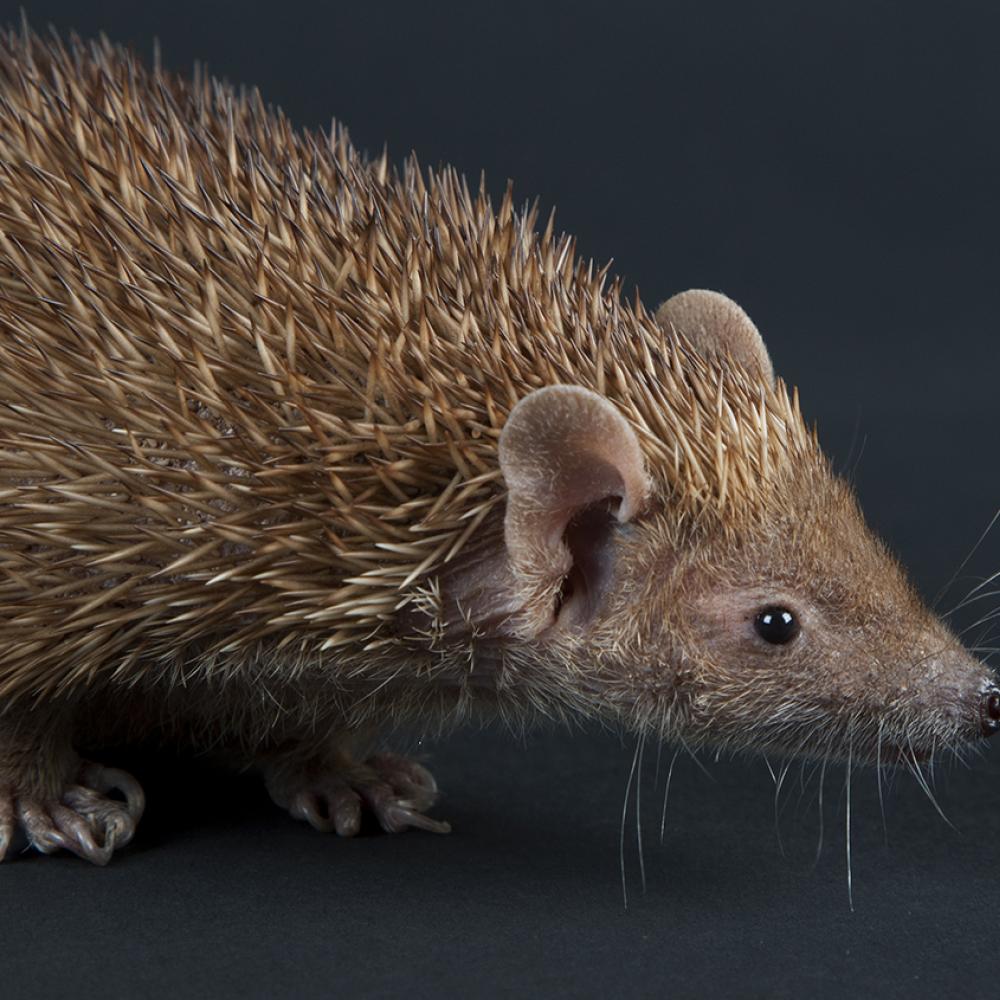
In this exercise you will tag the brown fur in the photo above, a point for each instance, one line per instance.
(272, 470)
(293, 363)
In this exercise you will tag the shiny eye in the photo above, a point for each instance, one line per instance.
(777, 625)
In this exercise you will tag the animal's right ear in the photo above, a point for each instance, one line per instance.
(716, 326)
(573, 466)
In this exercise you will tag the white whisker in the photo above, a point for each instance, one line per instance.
(970, 596)
(965, 561)
(822, 779)
(777, 818)
(770, 770)
(638, 815)
(922, 781)
(701, 767)
(982, 621)
(850, 886)
(878, 772)
(666, 793)
(970, 599)
(621, 838)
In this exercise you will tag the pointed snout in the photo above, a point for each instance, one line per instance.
(989, 710)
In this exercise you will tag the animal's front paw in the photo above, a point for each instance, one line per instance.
(397, 791)
(82, 818)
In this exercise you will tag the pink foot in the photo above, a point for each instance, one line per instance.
(395, 789)
(82, 819)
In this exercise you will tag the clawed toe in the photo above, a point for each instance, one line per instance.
(395, 790)
(396, 815)
(335, 809)
(109, 779)
(408, 778)
(396, 809)
(82, 820)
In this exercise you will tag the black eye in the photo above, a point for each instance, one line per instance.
(777, 625)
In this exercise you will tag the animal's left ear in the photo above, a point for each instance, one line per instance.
(573, 466)
(716, 326)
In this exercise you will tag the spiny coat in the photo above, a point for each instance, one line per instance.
(249, 377)
(294, 446)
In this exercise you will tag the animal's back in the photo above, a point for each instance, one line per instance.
(253, 384)
(185, 396)
(248, 379)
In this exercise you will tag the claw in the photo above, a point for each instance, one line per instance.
(395, 813)
(408, 778)
(306, 806)
(395, 789)
(110, 779)
(42, 835)
(336, 808)
(397, 816)
(81, 820)
(345, 808)
(117, 821)
(400, 798)
(78, 836)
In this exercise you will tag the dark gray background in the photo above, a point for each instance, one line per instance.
(832, 167)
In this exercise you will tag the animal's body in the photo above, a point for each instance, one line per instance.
(294, 447)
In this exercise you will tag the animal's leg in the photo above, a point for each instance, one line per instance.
(331, 790)
(50, 799)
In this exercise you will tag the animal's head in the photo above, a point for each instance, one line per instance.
(711, 577)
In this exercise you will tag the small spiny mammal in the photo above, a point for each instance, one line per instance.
(295, 449)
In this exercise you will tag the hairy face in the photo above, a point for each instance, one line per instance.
(802, 634)
(711, 579)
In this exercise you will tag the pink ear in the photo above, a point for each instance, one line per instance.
(563, 450)
(716, 326)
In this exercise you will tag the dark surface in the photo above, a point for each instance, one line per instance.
(832, 169)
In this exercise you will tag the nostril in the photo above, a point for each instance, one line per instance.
(989, 711)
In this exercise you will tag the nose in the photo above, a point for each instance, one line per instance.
(989, 711)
